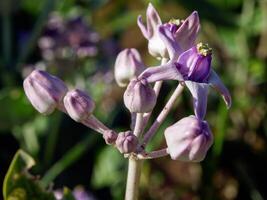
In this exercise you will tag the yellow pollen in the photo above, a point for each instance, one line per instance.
(204, 49)
(177, 22)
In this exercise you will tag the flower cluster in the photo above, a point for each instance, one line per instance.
(182, 60)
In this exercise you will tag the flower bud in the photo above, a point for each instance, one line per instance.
(44, 91)
(139, 97)
(128, 65)
(110, 137)
(189, 139)
(195, 63)
(126, 142)
(78, 104)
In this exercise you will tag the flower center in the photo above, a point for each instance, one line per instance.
(204, 49)
(176, 22)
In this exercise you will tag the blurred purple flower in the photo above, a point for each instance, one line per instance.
(80, 193)
(62, 39)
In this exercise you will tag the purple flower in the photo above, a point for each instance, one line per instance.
(139, 97)
(67, 38)
(80, 193)
(192, 67)
(128, 65)
(79, 105)
(44, 91)
(184, 31)
(188, 139)
(126, 142)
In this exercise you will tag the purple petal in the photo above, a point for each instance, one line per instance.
(218, 85)
(187, 59)
(198, 149)
(143, 28)
(163, 72)
(187, 33)
(172, 46)
(199, 92)
(153, 19)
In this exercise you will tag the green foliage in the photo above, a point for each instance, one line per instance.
(15, 108)
(110, 170)
(19, 184)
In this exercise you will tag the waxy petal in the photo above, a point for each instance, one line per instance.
(172, 46)
(199, 92)
(194, 66)
(163, 72)
(198, 152)
(187, 33)
(188, 139)
(143, 28)
(78, 104)
(128, 65)
(218, 85)
(153, 20)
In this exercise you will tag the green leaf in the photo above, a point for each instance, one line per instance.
(20, 162)
(19, 184)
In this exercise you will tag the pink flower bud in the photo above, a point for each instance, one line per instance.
(110, 137)
(139, 97)
(128, 65)
(188, 139)
(126, 142)
(78, 104)
(44, 91)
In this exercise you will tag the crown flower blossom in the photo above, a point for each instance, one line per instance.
(44, 91)
(139, 97)
(188, 139)
(184, 31)
(193, 68)
(128, 65)
(78, 104)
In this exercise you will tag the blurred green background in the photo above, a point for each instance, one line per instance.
(54, 35)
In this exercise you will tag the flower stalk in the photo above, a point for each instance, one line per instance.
(161, 117)
(157, 87)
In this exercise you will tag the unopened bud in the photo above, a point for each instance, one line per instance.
(78, 104)
(110, 137)
(126, 142)
(139, 96)
(44, 91)
(128, 65)
(189, 139)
